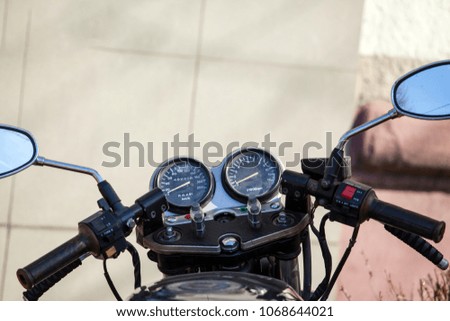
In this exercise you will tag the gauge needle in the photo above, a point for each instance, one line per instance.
(246, 178)
(178, 187)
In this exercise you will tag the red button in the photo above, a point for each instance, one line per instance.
(348, 192)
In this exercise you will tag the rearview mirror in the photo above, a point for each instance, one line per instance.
(424, 92)
(18, 150)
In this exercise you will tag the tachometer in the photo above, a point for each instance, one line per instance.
(185, 182)
(251, 172)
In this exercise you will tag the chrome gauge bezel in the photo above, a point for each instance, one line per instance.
(170, 162)
(274, 190)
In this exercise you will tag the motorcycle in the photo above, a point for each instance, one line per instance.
(236, 231)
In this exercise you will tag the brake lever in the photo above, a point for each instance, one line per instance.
(420, 245)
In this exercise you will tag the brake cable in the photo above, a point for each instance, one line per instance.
(326, 254)
(344, 258)
(307, 268)
(137, 271)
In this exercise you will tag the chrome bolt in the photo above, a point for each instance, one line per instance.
(131, 223)
(169, 232)
(229, 243)
(171, 219)
(275, 205)
(282, 218)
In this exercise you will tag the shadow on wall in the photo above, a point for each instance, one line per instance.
(389, 159)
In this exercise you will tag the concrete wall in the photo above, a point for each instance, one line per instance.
(397, 36)
(79, 74)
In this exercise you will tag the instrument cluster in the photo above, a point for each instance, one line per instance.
(246, 174)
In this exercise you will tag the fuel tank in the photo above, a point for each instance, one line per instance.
(217, 286)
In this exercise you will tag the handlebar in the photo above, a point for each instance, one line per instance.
(101, 234)
(404, 219)
(53, 261)
(351, 203)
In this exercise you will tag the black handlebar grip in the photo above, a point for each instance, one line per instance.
(39, 289)
(53, 261)
(406, 220)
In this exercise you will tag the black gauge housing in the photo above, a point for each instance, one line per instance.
(251, 172)
(184, 181)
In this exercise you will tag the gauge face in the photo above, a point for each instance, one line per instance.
(184, 182)
(252, 172)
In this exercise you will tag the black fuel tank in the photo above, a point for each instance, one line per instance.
(217, 286)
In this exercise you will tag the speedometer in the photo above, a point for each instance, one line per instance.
(251, 172)
(185, 182)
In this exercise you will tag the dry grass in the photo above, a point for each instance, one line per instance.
(432, 288)
(435, 288)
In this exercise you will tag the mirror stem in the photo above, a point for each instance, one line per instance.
(42, 161)
(336, 160)
(354, 131)
(107, 191)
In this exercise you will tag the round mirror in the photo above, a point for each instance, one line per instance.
(424, 92)
(18, 150)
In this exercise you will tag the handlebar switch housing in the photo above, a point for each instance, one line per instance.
(348, 203)
(106, 232)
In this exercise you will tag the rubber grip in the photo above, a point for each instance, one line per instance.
(39, 289)
(406, 220)
(52, 262)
